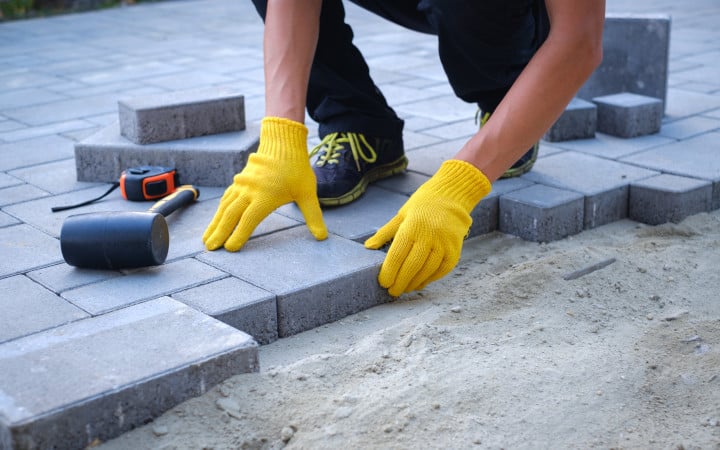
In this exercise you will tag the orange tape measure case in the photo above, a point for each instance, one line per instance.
(148, 182)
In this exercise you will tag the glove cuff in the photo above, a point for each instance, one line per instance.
(461, 181)
(283, 139)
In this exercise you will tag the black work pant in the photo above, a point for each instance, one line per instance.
(483, 47)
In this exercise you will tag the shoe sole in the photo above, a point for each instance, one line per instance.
(378, 173)
(525, 168)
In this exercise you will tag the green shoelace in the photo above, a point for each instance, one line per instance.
(332, 143)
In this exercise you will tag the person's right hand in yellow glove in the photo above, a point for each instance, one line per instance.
(428, 231)
(278, 173)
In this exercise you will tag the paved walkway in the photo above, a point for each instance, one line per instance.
(94, 353)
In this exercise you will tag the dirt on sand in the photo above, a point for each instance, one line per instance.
(502, 353)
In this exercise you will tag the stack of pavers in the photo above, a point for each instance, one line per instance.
(110, 354)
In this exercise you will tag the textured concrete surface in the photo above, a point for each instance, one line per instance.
(628, 115)
(60, 82)
(578, 121)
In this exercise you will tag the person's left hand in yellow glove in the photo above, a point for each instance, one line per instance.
(278, 173)
(428, 232)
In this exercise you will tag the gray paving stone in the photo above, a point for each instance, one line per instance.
(7, 180)
(238, 304)
(316, 282)
(30, 249)
(55, 177)
(541, 213)
(442, 108)
(578, 121)
(485, 216)
(635, 57)
(695, 157)
(692, 126)
(360, 219)
(611, 147)
(668, 198)
(683, 103)
(25, 97)
(203, 160)
(628, 115)
(6, 220)
(61, 277)
(180, 115)
(15, 155)
(46, 130)
(405, 183)
(20, 193)
(29, 308)
(602, 182)
(64, 110)
(427, 160)
(141, 285)
(99, 377)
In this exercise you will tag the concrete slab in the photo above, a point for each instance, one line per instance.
(29, 308)
(238, 304)
(316, 282)
(97, 378)
(141, 285)
(180, 115)
(578, 121)
(668, 198)
(61, 277)
(30, 249)
(20, 193)
(541, 213)
(30, 152)
(603, 183)
(204, 160)
(611, 147)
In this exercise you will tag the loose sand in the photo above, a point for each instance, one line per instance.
(502, 353)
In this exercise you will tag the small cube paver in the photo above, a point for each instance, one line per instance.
(636, 49)
(203, 160)
(238, 304)
(541, 213)
(628, 115)
(485, 215)
(578, 121)
(668, 198)
(99, 377)
(316, 282)
(170, 116)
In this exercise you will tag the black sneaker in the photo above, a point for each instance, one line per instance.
(348, 162)
(522, 165)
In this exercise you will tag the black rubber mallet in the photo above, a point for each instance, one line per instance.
(122, 240)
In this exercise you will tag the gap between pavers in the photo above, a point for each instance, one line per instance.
(99, 377)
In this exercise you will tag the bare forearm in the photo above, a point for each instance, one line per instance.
(551, 79)
(291, 33)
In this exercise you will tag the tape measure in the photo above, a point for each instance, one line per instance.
(148, 182)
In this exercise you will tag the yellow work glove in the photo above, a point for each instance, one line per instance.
(429, 230)
(278, 173)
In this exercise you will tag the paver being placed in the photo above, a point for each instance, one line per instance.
(635, 57)
(179, 115)
(603, 183)
(485, 215)
(628, 115)
(238, 304)
(96, 378)
(541, 213)
(316, 282)
(203, 160)
(668, 198)
(578, 121)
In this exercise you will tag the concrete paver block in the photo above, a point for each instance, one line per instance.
(238, 304)
(170, 116)
(604, 183)
(635, 57)
(140, 285)
(316, 282)
(541, 213)
(203, 160)
(28, 308)
(29, 248)
(485, 215)
(628, 115)
(578, 121)
(99, 377)
(668, 198)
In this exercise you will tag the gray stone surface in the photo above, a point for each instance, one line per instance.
(316, 282)
(99, 377)
(179, 115)
(628, 115)
(30, 249)
(485, 216)
(541, 213)
(203, 160)
(635, 57)
(602, 182)
(238, 304)
(61, 277)
(668, 198)
(28, 308)
(578, 121)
